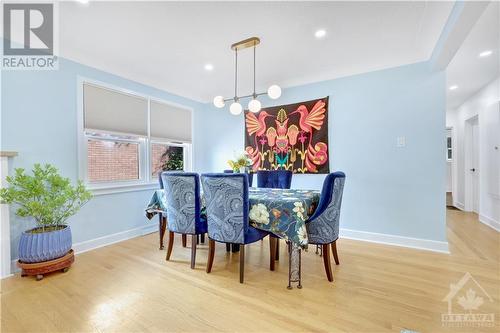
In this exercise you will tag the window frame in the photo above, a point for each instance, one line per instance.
(146, 181)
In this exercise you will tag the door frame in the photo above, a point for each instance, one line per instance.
(468, 163)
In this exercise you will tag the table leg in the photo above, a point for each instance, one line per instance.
(294, 265)
(162, 225)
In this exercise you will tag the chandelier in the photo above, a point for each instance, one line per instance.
(254, 105)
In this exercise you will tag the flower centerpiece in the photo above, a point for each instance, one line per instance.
(49, 200)
(240, 163)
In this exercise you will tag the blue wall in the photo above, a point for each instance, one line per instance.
(389, 190)
(39, 120)
(398, 191)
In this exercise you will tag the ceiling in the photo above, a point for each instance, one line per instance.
(467, 70)
(167, 44)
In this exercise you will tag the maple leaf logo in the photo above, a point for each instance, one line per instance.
(470, 301)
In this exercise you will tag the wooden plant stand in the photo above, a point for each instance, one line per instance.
(38, 269)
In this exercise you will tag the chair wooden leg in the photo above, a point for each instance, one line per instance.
(335, 254)
(170, 244)
(277, 255)
(228, 247)
(272, 252)
(211, 253)
(235, 248)
(184, 240)
(326, 261)
(202, 238)
(194, 241)
(242, 262)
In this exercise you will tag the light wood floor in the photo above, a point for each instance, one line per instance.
(128, 287)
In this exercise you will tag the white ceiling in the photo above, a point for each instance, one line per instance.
(467, 70)
(167, 44)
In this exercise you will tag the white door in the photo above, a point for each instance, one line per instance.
(475, 167)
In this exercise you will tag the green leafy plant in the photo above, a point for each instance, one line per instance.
(174, 159)
(46, 196)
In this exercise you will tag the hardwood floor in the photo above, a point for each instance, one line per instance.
(129, 287)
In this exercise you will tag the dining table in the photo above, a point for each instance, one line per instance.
(281, 212)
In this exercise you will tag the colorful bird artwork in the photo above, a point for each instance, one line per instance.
(290, 137)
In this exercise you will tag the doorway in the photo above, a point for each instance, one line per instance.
(472, 166)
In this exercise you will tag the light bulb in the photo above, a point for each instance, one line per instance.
(274, 91)
(235, 108)
(219, 101)
(254, 105)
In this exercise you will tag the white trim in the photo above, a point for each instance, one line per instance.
(414, 243)
(459, 205)
(96, 243)
(121, 188)
(495, 225)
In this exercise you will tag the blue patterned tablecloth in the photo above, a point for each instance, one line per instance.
(282, 212)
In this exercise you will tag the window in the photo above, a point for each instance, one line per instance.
(166, 157)
(127, 138)
(449, 145)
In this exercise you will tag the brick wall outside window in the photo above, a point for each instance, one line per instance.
(111, 161)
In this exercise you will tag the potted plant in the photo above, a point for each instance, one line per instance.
(50, 200)
(240, 163)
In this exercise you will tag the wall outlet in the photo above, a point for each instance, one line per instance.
(401, 141)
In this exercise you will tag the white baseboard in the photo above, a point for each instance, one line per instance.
(414, 243)
(113, 238)
(96, 243)
(459, 205)
(489, 222)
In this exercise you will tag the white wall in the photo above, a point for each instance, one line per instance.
(481, 105)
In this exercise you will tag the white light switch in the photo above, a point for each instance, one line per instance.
(401, 141)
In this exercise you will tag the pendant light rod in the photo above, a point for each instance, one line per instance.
(245, 96)
(254, 47)
(236, 75)
(254, 105)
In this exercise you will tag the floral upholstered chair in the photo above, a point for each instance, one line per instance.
(226, 198)
(182, 194)
(323, 225)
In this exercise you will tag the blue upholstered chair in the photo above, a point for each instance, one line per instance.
(274, 178)
(250, 176)
(323, 225)
(226, 198)
(182, 194)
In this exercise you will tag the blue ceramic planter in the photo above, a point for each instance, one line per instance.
(37, 247)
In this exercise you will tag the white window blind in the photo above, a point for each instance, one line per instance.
(112, 111)
(170, 122)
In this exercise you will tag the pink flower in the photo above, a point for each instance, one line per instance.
(302, 137)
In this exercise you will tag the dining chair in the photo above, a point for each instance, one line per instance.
(250, 176)
(182, 194)
(274, 178)
(323, 225)
(226, 198)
